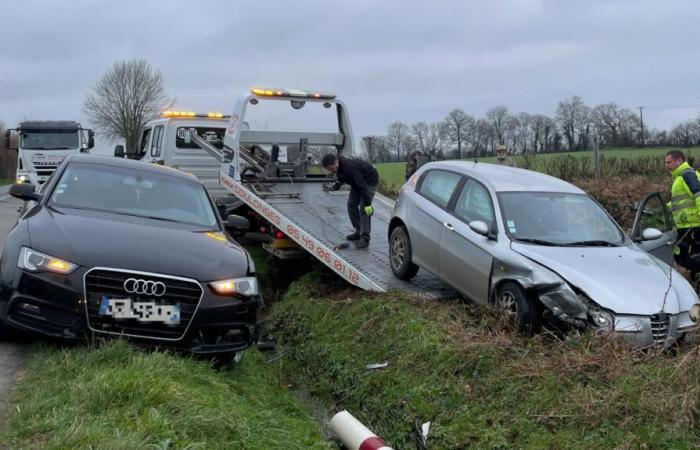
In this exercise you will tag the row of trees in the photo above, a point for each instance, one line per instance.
(574, 127)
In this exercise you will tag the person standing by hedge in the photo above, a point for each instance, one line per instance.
(685, 208)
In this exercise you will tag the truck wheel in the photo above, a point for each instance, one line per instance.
(400, 254)
(519, 307)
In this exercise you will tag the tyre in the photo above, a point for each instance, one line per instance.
(228, 359)
(400, 254)
(523, 311)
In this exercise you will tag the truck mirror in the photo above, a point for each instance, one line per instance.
(91, 139)
(10, 144)
(119, 151)
(7, 139)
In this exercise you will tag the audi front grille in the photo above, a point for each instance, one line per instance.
(140, 287)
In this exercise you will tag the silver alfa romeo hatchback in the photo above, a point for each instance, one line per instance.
(540, 247)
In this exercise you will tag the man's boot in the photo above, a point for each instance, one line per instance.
(362, 243)
(353, 237)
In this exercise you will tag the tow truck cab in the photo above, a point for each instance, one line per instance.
(168, 141)
(43, 145)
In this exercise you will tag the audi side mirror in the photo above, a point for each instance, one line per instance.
(24, 191)
(237, 223)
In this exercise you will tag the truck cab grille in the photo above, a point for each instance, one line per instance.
(107, 282)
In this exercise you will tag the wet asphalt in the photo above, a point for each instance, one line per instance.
(10, 352)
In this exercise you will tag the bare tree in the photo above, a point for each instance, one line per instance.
(420, 132)
(398, 136)
(456, 126)
(126, 97)
(572, 115)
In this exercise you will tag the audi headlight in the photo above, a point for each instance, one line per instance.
(247, 286)
(34, 261)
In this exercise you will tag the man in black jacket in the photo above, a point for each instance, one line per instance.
(363, 180)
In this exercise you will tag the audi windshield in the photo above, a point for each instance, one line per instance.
(133, 192)
(49, 140)
(549, 218)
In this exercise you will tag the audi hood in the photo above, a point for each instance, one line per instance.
(625, 279)
(97, 239)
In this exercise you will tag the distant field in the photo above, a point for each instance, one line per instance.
(393, 173)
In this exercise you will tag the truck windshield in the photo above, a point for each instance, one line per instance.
(134, 193)
(49, 140)
(551, 218)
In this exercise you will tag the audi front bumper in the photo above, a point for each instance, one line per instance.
(67, 307)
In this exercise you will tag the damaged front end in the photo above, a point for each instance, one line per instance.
(571, 305)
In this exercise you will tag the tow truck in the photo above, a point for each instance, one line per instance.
(291, 197)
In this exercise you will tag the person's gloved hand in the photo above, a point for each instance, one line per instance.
(336, 186)
(369, 210)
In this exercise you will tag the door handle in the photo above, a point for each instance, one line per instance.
(448, 226)
(670, 243)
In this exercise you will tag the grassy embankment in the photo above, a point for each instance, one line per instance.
(5, 181)
(479, 384)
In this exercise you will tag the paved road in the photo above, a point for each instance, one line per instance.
(10, 352)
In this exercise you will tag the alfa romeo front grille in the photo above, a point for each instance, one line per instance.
(109, 283)
(659, 328)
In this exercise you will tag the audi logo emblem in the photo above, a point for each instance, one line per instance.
(144, 287)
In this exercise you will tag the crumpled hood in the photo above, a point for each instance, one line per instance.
(626, 280)
(94, 239)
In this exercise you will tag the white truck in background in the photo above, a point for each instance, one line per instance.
(43, 145)
(167, 141)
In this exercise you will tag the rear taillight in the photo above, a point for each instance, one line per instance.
(279, 235)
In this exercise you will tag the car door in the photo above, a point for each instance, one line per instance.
(653, 213)
(428, 214)
(465, 256)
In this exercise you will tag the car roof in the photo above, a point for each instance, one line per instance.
(507, 179)
(132, 164)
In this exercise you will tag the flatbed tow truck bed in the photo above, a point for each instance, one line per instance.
(318, 222)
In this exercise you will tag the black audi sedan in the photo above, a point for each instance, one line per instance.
(126, 248)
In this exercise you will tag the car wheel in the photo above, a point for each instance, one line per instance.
(519, 307)
(400, 254)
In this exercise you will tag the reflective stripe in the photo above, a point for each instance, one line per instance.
(684, 205)
(680, 197)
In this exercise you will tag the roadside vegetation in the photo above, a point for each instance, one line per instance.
(478, 383)
(121, 397)
(5, 181)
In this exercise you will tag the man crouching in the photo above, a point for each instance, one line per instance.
(363, 180)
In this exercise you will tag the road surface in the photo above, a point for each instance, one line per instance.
(10, 352)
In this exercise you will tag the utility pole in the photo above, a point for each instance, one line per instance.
(641, 125)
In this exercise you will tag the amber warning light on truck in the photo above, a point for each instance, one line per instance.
(181, 114)
(296, 93)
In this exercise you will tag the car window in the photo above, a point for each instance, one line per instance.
(654, 215)
(145, 140)
(122, 190)
(474, 203)
(438, 186)
(157, 139)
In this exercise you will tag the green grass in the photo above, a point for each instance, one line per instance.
(4, 181)
(394, 173)
(118, 397)
(480, 385)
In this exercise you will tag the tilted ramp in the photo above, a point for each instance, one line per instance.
(318, 221)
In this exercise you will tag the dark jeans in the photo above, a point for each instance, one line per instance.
(687, 253)
(360, 221)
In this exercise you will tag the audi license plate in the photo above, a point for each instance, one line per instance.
(125, 308)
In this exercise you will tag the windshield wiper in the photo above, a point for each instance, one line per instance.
(537, 241)
(591, 243)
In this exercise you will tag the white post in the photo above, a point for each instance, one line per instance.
(354, 435)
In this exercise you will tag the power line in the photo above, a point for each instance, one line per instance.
(18, 91)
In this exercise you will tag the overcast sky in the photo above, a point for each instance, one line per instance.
(388, 60)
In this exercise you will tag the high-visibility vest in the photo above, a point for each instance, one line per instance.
(685, 206)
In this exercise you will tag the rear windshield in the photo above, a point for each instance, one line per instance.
(134, 192)
(213, 135)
